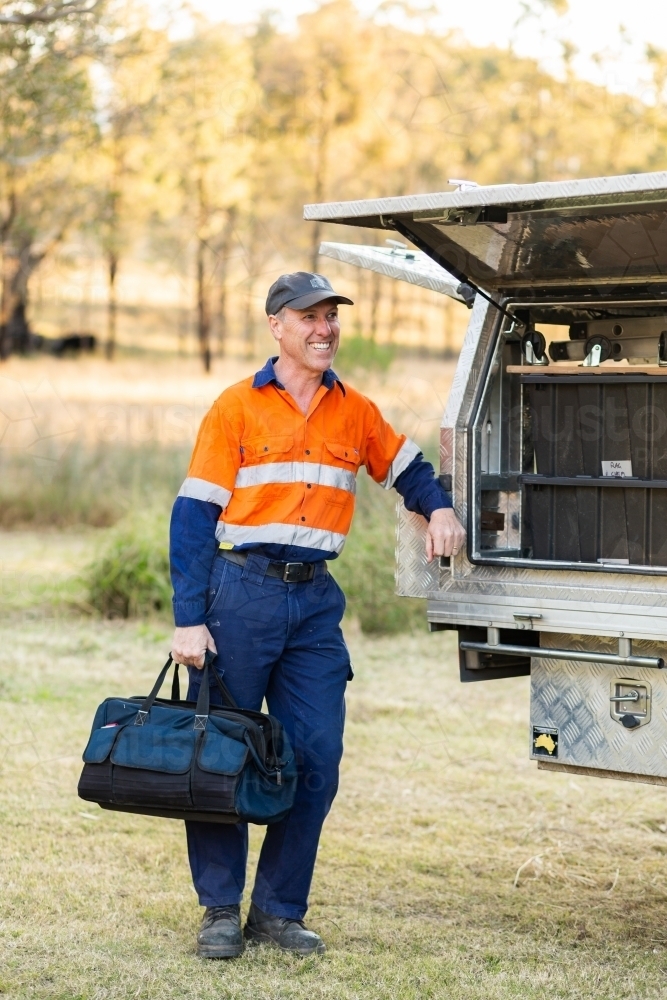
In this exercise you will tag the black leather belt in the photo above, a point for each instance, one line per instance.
(289, 572)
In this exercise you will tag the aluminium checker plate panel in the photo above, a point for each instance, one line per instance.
(408, 265)
(414, 576)
(570, 717)
(589, 191)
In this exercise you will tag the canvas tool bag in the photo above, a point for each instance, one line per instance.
(192, 761)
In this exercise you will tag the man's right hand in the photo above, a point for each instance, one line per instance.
(189, 645)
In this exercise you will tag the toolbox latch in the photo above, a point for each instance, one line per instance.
(630, 702)
(525, 619)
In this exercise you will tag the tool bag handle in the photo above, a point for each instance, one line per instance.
(203, 700)
(227, 697)
(148, 702)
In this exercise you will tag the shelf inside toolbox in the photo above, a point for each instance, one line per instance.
(627, 482)
(612, 369)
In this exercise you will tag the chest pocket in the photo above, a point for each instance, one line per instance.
(268, 447)
(346, 454)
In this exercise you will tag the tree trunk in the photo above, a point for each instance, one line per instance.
(203, 311)
(252, 268)
(112, 306)
(223, 329)
(16, 333)
(358, 302)
(319, 189)
(223, 261)
(18, 330)
(249, 320)
(4, 304)
(5, 229)
(393, 311)
(375, 303)
(203, 314)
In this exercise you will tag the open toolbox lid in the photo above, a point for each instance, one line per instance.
(602, 235)
(398, 261)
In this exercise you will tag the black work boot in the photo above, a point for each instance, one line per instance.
(220, 933)
(281, 932)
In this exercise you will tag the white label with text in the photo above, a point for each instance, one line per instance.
(618, 470)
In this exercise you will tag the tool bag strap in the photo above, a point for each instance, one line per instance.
(175, 685)
(204, 698)
(226, 694)
(148, 702)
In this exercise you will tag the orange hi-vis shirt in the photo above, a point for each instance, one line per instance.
(284, 478)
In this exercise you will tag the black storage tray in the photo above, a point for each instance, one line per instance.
(571, 512)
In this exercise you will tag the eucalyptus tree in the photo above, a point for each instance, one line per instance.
(46, 119)
(127, 99)
(316, 84)
(206, 88)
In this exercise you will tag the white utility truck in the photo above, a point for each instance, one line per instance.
(554, 447)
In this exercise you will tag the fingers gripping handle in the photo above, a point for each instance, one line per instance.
(203, 701)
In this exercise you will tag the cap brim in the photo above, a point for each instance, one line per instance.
(306, 301)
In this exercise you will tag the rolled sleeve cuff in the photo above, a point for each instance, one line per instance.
(435, 499)
(187, 613)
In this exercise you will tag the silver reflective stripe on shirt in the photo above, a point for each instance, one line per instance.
(296, 472)
(201, 489)
(406, 454)
(280, 534)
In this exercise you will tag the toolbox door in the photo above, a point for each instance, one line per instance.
(603, 236)
(400, 262)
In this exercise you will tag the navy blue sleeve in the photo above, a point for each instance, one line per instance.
(420, 489)
(192, 549)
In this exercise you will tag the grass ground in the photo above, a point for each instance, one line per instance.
(449, 866)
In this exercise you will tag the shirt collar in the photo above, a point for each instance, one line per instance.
(267, 374)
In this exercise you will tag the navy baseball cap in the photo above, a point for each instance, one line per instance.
(300, 291)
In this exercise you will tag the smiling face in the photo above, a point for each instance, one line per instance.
(308, 338)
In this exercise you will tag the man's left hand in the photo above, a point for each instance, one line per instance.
(445, 535)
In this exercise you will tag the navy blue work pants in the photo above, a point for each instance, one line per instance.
(283, 642)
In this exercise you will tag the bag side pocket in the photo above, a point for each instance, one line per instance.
(216, 775)
(100, 744)
(95, 783)
(152, 766)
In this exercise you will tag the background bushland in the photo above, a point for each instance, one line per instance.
(151, 180)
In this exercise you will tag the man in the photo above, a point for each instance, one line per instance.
(268, 500)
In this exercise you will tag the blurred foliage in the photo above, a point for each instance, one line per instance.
(129, 492)
(93, 486)
(362, 352)
(129, 576)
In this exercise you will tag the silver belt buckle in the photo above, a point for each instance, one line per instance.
(292, 572)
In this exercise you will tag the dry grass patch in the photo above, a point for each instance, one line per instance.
(439, 815)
